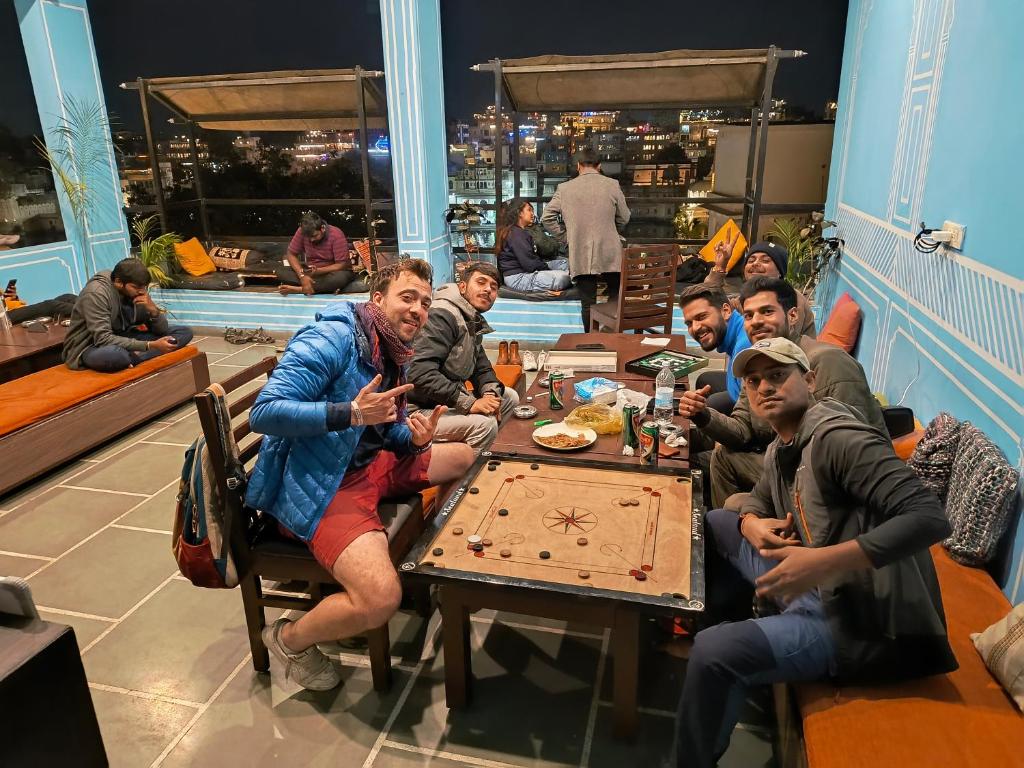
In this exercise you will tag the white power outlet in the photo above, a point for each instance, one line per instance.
(957, 231)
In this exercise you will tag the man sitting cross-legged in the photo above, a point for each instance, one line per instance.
(836, 532)
(769, 311)
(115, 324)
(450, 352)
(335, 446)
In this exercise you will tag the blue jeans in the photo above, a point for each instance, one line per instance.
(111, 358)
(554, 279)
(726, 659)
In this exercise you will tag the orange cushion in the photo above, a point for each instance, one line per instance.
(193, 258)
(32, 398)
(727, 231)
(843, 324)
(905, 444)
(961, 719)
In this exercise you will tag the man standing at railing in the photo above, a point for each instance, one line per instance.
(589, 212)
(318, 260)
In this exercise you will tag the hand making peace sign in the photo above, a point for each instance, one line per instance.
(723, 251)
(379, 407)
(423, 426)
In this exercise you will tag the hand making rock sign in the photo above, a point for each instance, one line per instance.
(423, 426)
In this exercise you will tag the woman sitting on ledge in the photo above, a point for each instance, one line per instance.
(522, 269)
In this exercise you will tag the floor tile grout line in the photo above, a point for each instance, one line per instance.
(200, 712)
(244, 348)
(121, 527)
(93, 535)
(47, 489)
(144, 695)
(160, 442)
(103, 490)
(400, 701)
(478, 762)
(588, 735)
(26, 556)
(126, 614)
(76, 614)
(551, 630)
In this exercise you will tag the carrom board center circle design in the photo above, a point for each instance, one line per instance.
(570, 520)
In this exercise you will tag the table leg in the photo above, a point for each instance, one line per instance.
(455, 638)
(625, 642)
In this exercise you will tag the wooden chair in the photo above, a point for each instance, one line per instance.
(261, 553)
(646, 294)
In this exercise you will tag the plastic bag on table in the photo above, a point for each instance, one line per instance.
(601, 418)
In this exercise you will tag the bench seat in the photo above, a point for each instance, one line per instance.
(49, 417)
(960, 719)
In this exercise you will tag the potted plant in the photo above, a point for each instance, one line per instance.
(811, 253)
(155, 252)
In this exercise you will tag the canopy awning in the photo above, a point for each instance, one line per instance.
(682, 78)
(295, 100)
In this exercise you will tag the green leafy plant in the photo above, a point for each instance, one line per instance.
(687, 227)
(79, 149)
(155, 252)
(811, 253)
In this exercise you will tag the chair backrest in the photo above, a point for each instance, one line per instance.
(647, 292)
(243, 520)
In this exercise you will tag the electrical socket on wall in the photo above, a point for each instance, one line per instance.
(957, 231)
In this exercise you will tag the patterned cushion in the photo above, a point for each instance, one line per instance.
(981, 489)
(1001, 647)
(235, 259)
(932, 459)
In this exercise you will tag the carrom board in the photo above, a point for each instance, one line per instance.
(681, 363)
(591, 528)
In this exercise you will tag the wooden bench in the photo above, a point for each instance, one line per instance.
(52, 416)
(961, 719)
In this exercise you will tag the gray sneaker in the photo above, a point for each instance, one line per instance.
(310, 669)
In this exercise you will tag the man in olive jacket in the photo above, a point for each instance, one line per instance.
(769, 307)
(836, 532)
(115, 324)
(588, 213)
(450, 351)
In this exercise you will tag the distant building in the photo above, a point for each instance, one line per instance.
(248, 147)
(830, 109)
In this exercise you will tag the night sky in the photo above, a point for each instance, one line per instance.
(153, 38)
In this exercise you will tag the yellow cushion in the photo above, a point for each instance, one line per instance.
(193, 258)
(728, 231)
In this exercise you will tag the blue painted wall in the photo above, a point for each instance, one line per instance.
(411, 31)
(929, 129)
(62, 62)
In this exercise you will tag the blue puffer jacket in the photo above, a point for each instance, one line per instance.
(301, 463)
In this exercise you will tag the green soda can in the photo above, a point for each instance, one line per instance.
(556, 390)
(649, 444)
(630, 418)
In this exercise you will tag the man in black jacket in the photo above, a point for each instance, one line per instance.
(449, 352)
(838, 537)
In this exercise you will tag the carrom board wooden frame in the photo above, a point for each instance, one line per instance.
(683, 363)
(461, 592)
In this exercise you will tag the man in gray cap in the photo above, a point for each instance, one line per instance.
(831, 536)
(769, 311)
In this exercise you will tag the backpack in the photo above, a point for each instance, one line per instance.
(202, 519)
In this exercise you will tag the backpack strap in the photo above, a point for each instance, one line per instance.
(233, 469)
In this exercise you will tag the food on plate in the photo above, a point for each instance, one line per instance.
(563, 440)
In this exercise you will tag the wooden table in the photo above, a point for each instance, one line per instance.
(641, 552)
(23, 352)
(516, 435)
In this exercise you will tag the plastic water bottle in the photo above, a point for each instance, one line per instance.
(664, 388)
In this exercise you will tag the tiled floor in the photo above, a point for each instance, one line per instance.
(169, 668)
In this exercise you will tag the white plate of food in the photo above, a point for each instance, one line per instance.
(562, 437)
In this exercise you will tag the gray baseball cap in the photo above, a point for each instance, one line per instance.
(779, 349)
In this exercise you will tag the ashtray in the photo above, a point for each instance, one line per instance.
(524, 411)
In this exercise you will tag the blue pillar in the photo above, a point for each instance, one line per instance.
(62, 63)
(412, 66)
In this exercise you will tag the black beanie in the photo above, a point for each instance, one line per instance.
(778, 254)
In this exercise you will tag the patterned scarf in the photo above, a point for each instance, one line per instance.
(384, 341)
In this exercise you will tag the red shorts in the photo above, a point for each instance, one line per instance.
(353, 510)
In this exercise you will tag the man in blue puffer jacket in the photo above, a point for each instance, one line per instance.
(335, 446)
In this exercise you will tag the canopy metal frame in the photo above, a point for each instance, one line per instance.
(751, 200)
(152, 90)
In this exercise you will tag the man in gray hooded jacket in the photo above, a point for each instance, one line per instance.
(449, 351)
(115, 323)
(836, 532)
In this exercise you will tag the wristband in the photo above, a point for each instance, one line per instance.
(423, 448)
(719, 270)
(357, 415)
